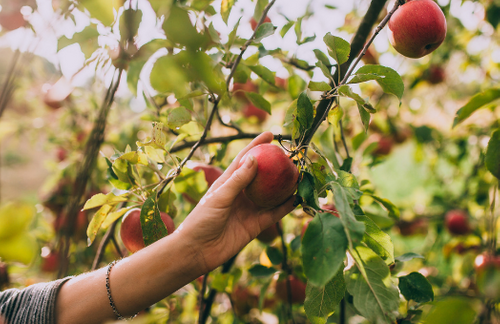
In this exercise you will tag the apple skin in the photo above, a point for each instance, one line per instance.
(211, 172)
(417, 28)
(239, 89)
(384, 146)
(435, 74)
(50, 263)
(12, 20)
(457, 222)
(297, 287)
(413, 227)
(250, 111)
(269, 234)
(253, 22)
(276, 178)
(131, 230)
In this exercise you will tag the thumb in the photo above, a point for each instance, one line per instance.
(240, 179)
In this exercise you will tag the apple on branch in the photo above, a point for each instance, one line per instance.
(457, 222)
(276, 178)
(250, 111)
(211, 173)
(297, 290)
(131, 229)
(417, 28)
(269, 234)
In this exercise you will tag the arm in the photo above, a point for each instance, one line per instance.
(218, 227)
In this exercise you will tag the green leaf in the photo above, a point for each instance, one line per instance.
(349, 182)
(129, 24)
(408, 256)
(139, 59)
(377, 240)
(191, 183)
(335, 115)
(295, 86)
(323, 249)
(322, 57)
(321, 301)
(365, 116)
(369, 282)
(168, 76)
(492, 159)
(305, 111)
(113, 216)
(346, 91)
(274, 255)
(363, 77)
(326, 71)
(152, 225)
(179, 29)
(96, 222)
(307, 190)
(177, 117)
(356, 228)
(264, 30)
(298, 29)
(452, 310)
(87, 39)
(258, 101)
(476, 102)
(225, 9)
(166, 203)
(338, 48)
(102, 10)
(259, 270)
(286, 28)
(391, 83)
(100, 199)
(259, 9)
(319, 86)
(263, 72)
(389, 206)
(416, 287)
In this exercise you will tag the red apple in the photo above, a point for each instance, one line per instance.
(58, 93)
(244, 300)
(417, 28)
(50, 263)
(304, 228)
(486, 261)
(250, 111)
(330, 208)
(457, 222)
(131, 230)
(434, 74)
(276, 178)
(371, 56)
(239, 89)
(416, 226)
(253, 22)
(211, 172)
(269, 234)
(384, 146)
(297, 288)
(12, 20)
(61, 154)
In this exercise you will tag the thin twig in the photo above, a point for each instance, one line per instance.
(201, 297)
(343, 138)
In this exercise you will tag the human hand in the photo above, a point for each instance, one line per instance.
(225, 220)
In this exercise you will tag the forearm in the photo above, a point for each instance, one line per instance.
(136, 282)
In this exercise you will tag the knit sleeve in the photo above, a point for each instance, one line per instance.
(32, 305)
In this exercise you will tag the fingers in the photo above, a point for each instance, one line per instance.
(265, 137)
(279, 212)
(238, 181)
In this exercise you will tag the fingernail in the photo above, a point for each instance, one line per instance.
(249, 161)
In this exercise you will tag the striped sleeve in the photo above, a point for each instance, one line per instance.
(32, 305)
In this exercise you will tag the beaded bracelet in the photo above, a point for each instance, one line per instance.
(108, 290)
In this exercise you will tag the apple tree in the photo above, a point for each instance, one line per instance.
(388, 118)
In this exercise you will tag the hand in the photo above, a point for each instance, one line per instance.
(225, 220)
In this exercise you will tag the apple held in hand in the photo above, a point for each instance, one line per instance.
(417, 28)
(131, 230)
(276, 178)
(457, 222)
